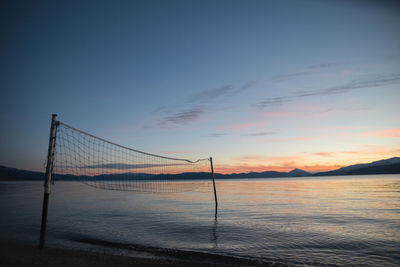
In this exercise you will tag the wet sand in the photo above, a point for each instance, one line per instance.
(15, 254)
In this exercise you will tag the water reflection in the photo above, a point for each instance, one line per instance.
(214, 229)
(305, 221)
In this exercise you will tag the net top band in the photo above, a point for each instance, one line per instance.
(128, 148)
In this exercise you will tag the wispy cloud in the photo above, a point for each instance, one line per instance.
(251, 158)
(259, 163)
(266, 163)
(259, 134)
(325, 154)
(275, 101)
(352, 152)
(182, 117)
(377, 151)
(218, 134)
(377, 81)
(309, 70)
(219, 92)
(388, 133)
(282, 77)
(247, 85)
(290, 139)
(203, 99)
(242, 126)
(305, 111)
(339, 128)
(212, 94)
(189, 115)
(265, 158)
(322, 66)
(161, 109)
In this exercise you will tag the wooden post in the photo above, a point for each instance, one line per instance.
(49, 173)
(215, 191)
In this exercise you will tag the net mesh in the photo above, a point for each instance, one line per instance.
(83, 157)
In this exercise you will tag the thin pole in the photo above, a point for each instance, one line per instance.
(49, 173)
(213, 178)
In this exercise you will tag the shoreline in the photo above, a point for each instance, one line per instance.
(18, 254)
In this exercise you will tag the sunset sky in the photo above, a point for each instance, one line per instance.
(257, 85)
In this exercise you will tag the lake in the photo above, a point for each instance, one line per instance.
(337, 220)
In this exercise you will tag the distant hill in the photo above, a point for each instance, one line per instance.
(16, 174)
(7, 174)
(298, 173)
(384, 169)
(386, 166)
(267, 174)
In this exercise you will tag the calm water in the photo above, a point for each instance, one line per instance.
(351, 220)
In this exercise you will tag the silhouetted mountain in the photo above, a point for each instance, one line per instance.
(16, 174)
(267, 174)
(387, 166)
(383, 169)
(298, 173)
(353, 169)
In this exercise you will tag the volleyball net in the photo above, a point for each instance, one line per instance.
(100, 163)
(80, 156)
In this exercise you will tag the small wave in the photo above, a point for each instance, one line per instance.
(179, 254)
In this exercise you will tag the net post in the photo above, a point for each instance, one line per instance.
(49, 173)
(213, 179)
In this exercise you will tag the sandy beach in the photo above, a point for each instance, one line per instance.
(16, 254)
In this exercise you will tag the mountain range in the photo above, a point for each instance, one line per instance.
(386, 166)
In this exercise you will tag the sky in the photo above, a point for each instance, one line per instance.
(257, 85)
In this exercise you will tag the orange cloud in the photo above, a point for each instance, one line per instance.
(378, 151)
(374, 152)
(258, 158)
(321, 167)
(339, 128)
(325, 154)
(286, 167)
(330, 160)
(388, 133)
(261, 163)
(244, 168)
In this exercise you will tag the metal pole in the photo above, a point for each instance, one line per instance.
(49, 173)
(213, 178)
